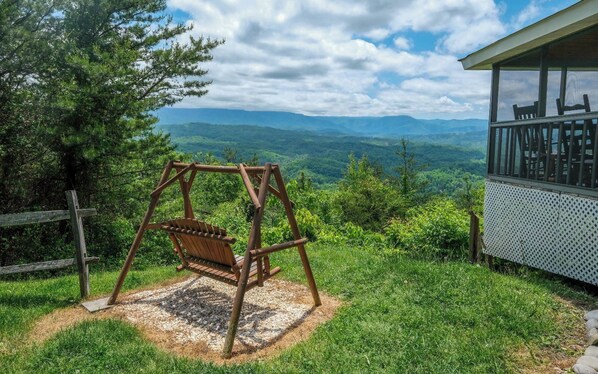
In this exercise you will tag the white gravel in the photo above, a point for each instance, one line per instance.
(198, 310)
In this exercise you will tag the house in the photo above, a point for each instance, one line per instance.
(541, 204)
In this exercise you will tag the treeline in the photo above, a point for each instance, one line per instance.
(78, 81)
(369, 207)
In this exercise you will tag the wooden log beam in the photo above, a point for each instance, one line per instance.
(243, 279)
(272, 190)
(79, 239)
(249, 186)
(277, 247)
(267, 276)
(474, 234)
(221, 169)
(26, 218)
(185, 188)
(46, 265)
(167, 183)
(297, 235)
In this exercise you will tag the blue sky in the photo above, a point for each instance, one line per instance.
(353, 57)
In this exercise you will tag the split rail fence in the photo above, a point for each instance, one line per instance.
(75, 215)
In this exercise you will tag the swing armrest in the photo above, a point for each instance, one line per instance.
(277, 247)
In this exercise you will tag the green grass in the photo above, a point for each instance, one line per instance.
(400, 315)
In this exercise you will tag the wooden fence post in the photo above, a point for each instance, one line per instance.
(79, 238)
(474, 238)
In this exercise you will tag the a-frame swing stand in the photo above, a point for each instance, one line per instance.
(185, 174)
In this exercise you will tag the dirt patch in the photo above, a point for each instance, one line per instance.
(562, 350)
(190, 318)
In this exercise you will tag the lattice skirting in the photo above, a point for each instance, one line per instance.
(552, 231)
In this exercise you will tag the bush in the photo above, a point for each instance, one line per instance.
(365, 198)
(437, 229)
(232, 216)
(309, 225)
(115, 235)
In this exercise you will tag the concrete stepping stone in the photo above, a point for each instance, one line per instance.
(593, 314)
(591, 351)
(588, 361)
(583, 369)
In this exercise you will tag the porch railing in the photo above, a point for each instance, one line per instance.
(559, 152)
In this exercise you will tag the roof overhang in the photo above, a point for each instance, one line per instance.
(573, 19)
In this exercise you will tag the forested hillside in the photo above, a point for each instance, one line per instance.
(324, 157)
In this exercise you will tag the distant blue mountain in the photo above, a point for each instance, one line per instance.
(389, 126)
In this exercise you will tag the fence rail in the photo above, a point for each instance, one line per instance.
(29, 218)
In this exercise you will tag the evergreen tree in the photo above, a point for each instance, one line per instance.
(409, 182)
(230, 155)
(112, 63)
(79, 80)
(366, 199)
(22, 47)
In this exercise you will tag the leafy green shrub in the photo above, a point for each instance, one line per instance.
(115, 235)
(232, 216)
(309, 225)
(156, 249)
(365, 199)
(333, 237)
(322, 203)
(273, 235)
(351, 234)
(356, 235)
(437, 229)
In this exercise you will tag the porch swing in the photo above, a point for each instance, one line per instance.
(206, 249)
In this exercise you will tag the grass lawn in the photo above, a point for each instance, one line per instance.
(400, 315)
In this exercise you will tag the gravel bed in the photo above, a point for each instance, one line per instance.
(197, 310)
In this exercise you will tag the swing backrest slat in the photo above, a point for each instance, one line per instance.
(202, 240)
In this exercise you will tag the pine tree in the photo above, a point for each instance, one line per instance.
(408, 172)
(112, 62)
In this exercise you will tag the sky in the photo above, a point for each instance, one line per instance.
(352, 57)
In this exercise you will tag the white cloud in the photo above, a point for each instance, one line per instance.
(402, 43)
(530, 12)
(306, 56)
(377, 34)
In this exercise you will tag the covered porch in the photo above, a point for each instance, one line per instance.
(541, 202)
(544, 103)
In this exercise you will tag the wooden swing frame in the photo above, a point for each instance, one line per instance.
(259, 174)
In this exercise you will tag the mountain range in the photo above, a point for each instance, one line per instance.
(388, 126)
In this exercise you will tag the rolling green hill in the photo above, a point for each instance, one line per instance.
(322, 157)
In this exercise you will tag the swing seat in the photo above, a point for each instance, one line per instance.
(206, 250)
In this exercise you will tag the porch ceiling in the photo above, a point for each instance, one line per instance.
(576, 18)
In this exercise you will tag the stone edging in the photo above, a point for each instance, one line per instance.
(588, 363)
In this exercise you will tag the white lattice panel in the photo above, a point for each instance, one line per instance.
(547, 230)
(518, 218)
(579, 232)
